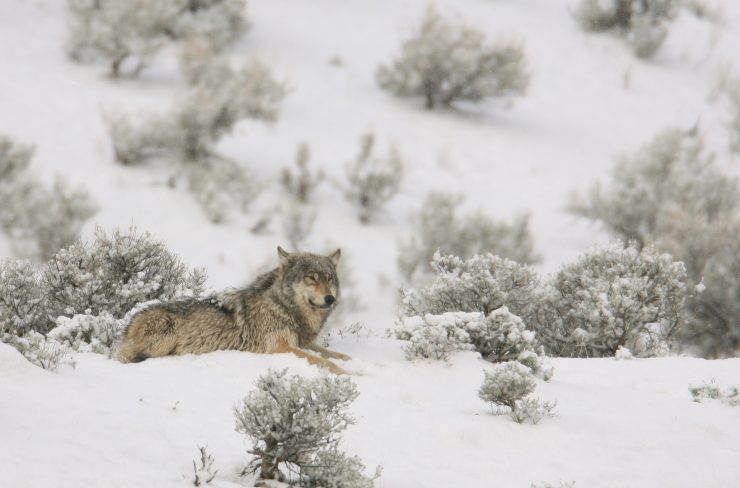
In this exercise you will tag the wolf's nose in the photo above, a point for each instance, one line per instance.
(329, 299)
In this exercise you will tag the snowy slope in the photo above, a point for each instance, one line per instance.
(621, 424)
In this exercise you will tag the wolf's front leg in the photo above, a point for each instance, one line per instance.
(315, 360)
(327, 353)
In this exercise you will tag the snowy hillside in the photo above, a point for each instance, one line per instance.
(619, 423)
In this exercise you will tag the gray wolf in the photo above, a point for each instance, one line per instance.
(282, 311)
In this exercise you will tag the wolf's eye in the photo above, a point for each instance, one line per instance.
(310, 279)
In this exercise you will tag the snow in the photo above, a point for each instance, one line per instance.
(620, 423)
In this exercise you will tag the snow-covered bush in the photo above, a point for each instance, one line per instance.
(134, 31)
(113, 273)
(205, 473)
(295, 423)
(482, 283)
(668, 180)
(218, 22)
(331, 468)
(435, 336)
(507, 384)
(302, 181)
(44, 352)
(372, 181)
(532, 409)
(88, 333)
(501, 336)
(610, 297)
(22, 300)
(439, 226)
(672, 195)
(712, 391)
(445, 63)
(641, 21)
(41, 220)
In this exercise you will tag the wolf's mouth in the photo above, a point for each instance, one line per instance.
(310, 302)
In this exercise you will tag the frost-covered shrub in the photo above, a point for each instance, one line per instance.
(445, 63)
(295, 423)
(440, 226)
(712, 391)
(532, 409)
(88, 333)
(641, 21)
(44, 352)
(665, 182)
(501, 336)
(331, 468)
(218, 22)
(507, 384)
(482, 283)
(119, 31)
(610, 297)
(435, 336)
(113, 273)
(205, 473)
(41, 220)
(22, 300)
(372, 181)
(672, 195)
(301, 182)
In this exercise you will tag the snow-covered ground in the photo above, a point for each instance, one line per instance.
(620, 423)
(628, 423)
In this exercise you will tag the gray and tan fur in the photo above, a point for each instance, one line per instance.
(282, 311)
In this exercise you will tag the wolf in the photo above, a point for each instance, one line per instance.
(282, 311)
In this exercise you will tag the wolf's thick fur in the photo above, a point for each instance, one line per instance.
(282, 311)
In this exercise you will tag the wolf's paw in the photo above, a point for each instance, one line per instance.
(340, 356)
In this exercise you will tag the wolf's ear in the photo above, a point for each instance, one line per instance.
(283, 255)
(335, 256)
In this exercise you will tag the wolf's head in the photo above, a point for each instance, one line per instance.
(311, 278)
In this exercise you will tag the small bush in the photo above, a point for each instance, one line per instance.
(205, 473)
(123, 31)
(38, 349)
(88, 333)
(301, 182)
(712, 391)
(613, 296)
(641, 21)
(372, 181)
(482, 283)
(295, 423)
(508, 384)
(498, 337)
(42, 220)
(114, 273)
(672, 195)
(22, 300)
(445, 63)
(533, 410)
(439, 226)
